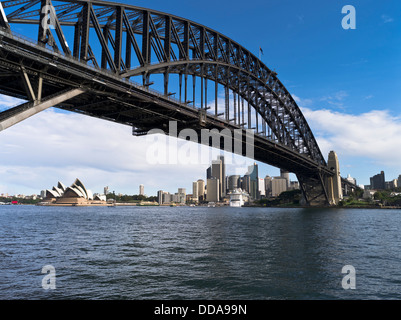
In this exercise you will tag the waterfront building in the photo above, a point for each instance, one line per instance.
(195, 192)
(160, 197)
(213, 192)
(262, 189)
(141, 190)
(254, 181)
(268, 186)
(75, 195)
(285, 175)
(399, 181)
(167, 197)
(201, 190)
(391, 184)
(209, 173)
(233, 182)
(368, 194)
(279, 185)
(246, 183)
(223, 183)
(217, 173)
(378, 181)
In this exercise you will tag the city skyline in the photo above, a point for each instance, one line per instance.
(345, 82)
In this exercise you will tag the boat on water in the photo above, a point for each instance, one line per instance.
(238, 198)
(211, 204)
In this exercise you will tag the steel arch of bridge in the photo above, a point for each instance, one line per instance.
(129, 42)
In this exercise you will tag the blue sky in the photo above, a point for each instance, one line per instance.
(345, 81)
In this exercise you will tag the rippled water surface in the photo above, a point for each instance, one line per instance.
(199, 253)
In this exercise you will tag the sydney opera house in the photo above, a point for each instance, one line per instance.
(75, 195)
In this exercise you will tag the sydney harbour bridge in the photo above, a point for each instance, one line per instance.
(104, 59)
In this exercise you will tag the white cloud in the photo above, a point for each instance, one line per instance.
(51, 146)
(336, 99)
(7, 102)
(373, 135)
(302, 102)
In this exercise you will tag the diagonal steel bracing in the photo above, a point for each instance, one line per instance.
(26, 110)
(201, 76)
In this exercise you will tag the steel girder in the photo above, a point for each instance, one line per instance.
(167, 44)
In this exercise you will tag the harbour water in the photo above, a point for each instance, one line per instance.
(146, 253)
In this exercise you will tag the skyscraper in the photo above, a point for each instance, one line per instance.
(268, 186)
(217, 173)
(246, 183)
(160, 197)
(223, 183)
(201, 190)
(209, 173)
(195, 192)
(378, 182)
(254, 181)
(233, 182)
(141, 190)
(285, 175)
(279, 185)
(213, 192)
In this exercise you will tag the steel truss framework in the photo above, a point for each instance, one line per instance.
(118, 42)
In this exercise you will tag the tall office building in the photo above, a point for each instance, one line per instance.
(246, 183)
(213, 192)
(209, 173)
(279, 185)
(268, 186)
(160, 197)
(217, 173)
(399, 181)
(195, 192)
(233, 182)
(285, 175)
(254, 181)
(378, 182)
(201, 190)
(262, 189)
(166, 197)
(141, 190)
(223, 178)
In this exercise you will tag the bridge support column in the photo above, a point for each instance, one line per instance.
(12, 116)
(333, 183)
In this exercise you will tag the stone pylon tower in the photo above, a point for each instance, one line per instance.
(334, 188)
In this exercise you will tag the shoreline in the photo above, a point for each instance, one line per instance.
(125, 204)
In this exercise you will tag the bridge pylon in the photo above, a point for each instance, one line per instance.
(333, 183)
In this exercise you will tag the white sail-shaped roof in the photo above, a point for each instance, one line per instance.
(52, 194)
(61, 186)
(71, 192)
(78, 183)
